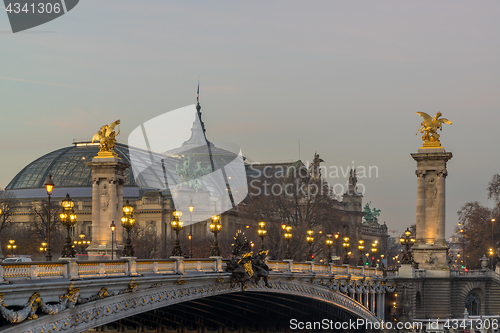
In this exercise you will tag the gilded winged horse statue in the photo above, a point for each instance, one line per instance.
(430, 126)
(106, 137)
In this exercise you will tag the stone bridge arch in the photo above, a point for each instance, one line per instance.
(468, 290)
(112, 308)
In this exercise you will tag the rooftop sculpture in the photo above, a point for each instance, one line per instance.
(429, 129)
(106, 136)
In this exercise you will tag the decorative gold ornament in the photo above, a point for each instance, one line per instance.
(429, 129)
(106, 137)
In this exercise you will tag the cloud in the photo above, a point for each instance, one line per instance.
(219, 89)
(51, 84)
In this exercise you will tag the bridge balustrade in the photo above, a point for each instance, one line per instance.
(130, 266)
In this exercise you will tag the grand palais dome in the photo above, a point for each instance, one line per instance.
(68, 170)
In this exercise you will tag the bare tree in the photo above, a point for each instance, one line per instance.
(292, 196)
(39, 224)
(476, 228)
(7, 207)
(147, 244)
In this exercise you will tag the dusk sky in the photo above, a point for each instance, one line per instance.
(343, 77)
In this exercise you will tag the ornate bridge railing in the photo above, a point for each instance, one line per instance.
(132, 267)
(87, 294)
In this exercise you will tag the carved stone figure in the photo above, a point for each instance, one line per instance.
(314, 168)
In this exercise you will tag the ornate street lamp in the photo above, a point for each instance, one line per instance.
(329, 243)
(374, 254)
(68, 219)
(346, 248)
(82, 243)
(113, 228)
(262, 234)
(43, 248)
(310, 240)
(215, 228)
(49, 186)
(176, 225)
(288, 237)
(337, 237)
(361, 247)
(11, 246)
(190, 236)
(407, 241)
(128, 223)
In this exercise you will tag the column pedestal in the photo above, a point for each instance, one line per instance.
(430, 249)
(107, 200)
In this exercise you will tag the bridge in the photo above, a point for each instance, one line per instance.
(75, 296)
(426, 295)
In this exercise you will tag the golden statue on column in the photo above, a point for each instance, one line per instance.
(106, 137)
(429, 129)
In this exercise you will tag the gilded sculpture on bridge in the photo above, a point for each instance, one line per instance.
(106, 136)
(429, 128)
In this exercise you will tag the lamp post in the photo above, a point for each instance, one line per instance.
(82, 243)
(329, 243)
(346, 248)
(361, 247)
(43, 248)
(215, 228)
(176, 225)
(336, 236)
(49, 186)
(288, 237)
(262, 234)
(190, 237)
(492, 243)
(11, 246)
(310, 240)
(128, 223)
(407, 241)
(113, 228)
(382, 261)
(374, 254)
(463, 243)
(68, 219)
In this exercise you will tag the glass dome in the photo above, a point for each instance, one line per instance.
(67, 167)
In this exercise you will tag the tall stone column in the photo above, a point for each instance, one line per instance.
(420, 204)
(95, 208)
(107, 200)
(430, 249)
(441, 193)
